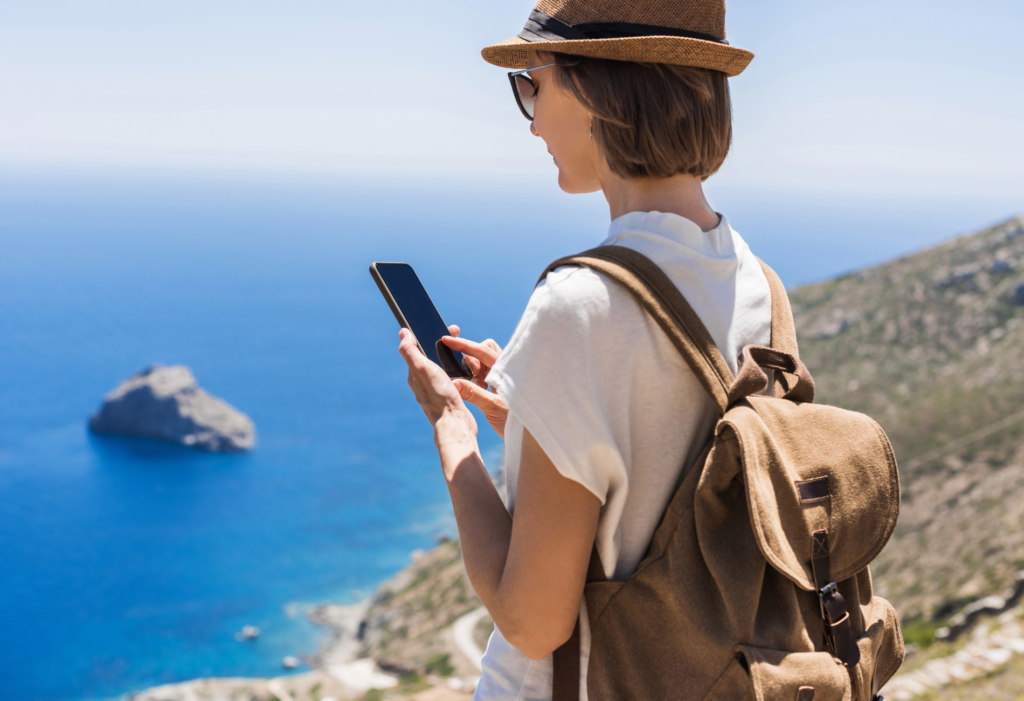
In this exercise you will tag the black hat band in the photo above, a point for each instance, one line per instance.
(544, 27)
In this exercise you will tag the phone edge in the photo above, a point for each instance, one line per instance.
(389, 298)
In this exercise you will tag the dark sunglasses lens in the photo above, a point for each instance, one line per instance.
(527, 94)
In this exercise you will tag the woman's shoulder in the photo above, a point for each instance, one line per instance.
(583, 293)
(580, 319)
(571, 283)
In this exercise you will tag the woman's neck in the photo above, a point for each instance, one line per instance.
(680, 194)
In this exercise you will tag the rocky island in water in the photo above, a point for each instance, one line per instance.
(165, 403)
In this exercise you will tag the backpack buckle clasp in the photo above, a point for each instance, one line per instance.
(826, 592)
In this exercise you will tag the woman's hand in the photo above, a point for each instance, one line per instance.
(480, 357)
(437, 396)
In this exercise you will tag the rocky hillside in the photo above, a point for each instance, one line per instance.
(408, 625)
(932, 346)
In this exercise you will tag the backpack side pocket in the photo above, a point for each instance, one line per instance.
(777, 675)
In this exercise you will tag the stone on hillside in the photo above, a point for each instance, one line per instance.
(1018, 296)
(1000, 266)
(167, 404)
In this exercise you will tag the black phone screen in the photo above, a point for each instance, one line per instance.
(415, 310)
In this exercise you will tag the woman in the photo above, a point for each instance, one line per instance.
(599, 413)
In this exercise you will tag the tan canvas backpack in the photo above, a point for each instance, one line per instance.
(756, 583)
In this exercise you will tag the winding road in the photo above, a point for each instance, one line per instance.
(463, 632)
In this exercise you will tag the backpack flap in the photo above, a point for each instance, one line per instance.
(806, 468)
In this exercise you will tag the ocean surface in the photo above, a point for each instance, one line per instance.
(126, 563)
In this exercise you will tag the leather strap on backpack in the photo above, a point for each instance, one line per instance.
(565, 683)
(835, 617)
(752, 378)
(565, 680)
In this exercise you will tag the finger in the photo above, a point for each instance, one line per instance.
(410, 351)
(485, 354)
(406, 336)
(480, 368)
(483, 400)
(480, 377)
(426, 378)
(473, 364)
(454, 330)
(406, 345)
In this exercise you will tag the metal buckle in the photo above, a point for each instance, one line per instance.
(830, 590)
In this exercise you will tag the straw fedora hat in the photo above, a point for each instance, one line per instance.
(682, 32)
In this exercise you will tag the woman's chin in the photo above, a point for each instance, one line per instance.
(567, 183)
(574, 186)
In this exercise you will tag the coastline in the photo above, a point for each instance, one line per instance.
(418, 637)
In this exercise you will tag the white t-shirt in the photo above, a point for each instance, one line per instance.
(612, 402)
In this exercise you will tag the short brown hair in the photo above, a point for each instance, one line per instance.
(653, 120)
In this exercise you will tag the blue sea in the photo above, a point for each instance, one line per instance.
(125, 563)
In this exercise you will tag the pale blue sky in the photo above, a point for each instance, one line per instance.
(894, 97)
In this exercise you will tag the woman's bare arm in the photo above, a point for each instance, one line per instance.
(529, 572)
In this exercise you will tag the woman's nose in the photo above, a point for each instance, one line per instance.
(533, 128)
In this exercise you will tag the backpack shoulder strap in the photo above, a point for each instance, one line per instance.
(659, 296)
(783, 326)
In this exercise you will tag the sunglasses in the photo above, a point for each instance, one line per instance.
(524, 89)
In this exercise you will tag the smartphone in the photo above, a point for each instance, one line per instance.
(414, 310)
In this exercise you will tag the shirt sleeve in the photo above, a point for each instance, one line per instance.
(566, 374)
